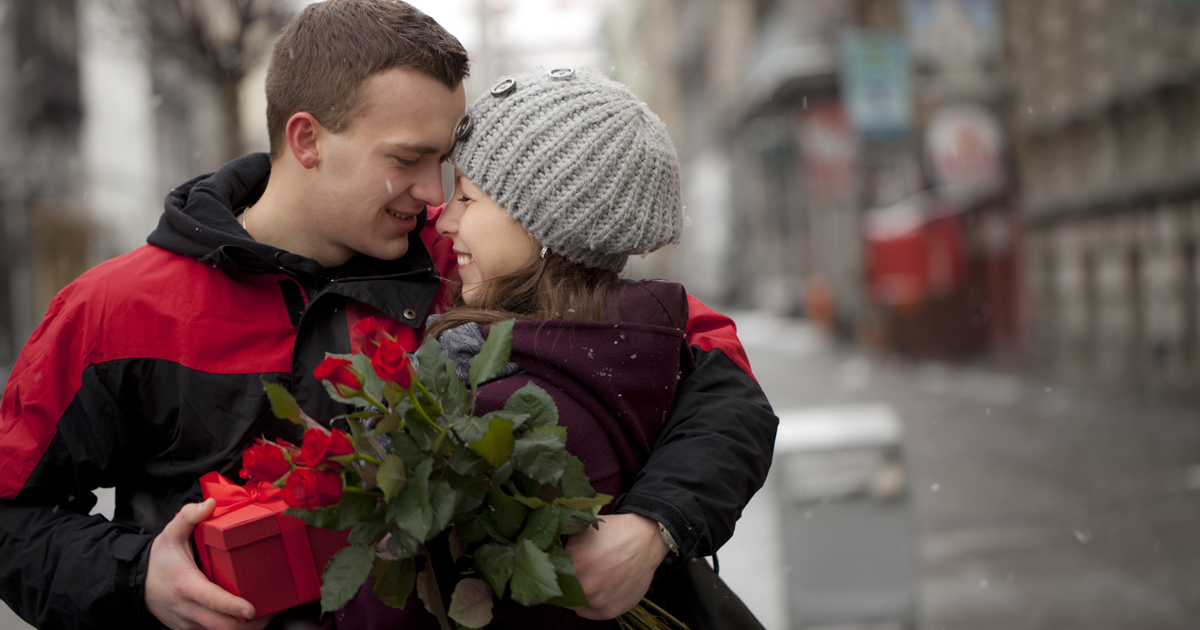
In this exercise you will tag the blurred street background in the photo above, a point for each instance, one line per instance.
(960, 237)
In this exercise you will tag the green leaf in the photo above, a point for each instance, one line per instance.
(442, 499)
(346, 514)
(495, 353)
(470, 497)
(518, 419)
(344, 575)
(495, 563)
(394, 581)
(367, 533)
(534, 579)
(411, 511)
(371, 381)
(401, 544)
(283, 404)
(496, 445)
(391, 478)
(502, 474)
(470, 429)
(543, 527)
(405, 448)
(575, 480)
(583, 503)
(435, 370)
(543, 457)
(423, 432)
(364, 441)
(468, 463)
(471, 603)
(472, 530)
(507, 514)
(533, 400)
(425, 578)
(390, 422)
(532, 503)
(579, 521)
(564, 569)
(556, 430)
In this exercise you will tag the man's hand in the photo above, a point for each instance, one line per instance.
(615, 563)
(178, 593)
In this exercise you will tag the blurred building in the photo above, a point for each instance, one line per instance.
(802, 125)
(44, 227)
(97, 127)
(1106, 122)
(941, 178)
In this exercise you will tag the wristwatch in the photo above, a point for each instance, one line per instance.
(668, 540)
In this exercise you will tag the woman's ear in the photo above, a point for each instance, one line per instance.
(301, 131)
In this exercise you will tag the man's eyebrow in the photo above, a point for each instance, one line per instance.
(416, 148)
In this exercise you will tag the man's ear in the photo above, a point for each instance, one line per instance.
(302, 130)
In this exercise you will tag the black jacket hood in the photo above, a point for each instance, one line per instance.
(201, 221)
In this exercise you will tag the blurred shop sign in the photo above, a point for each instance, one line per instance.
(915, 251)
(965, 145)
(828, 150)
(953, 32)
(876, 86)
(955, 41)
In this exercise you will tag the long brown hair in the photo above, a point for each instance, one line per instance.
(545, 288)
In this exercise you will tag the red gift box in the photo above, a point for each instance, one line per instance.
(250, 548)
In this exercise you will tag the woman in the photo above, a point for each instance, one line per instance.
(560, 177)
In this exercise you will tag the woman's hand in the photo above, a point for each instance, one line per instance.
(616, 563)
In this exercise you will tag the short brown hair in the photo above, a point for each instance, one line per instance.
(325, 52)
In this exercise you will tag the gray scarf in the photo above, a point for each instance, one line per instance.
(462, 343)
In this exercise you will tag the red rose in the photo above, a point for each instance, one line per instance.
(366, 335)
(340, 373)
(264, 462)
(392, 364)
(308, 489)
(339, 444)
(319, 446)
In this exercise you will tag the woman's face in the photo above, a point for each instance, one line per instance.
(488, 242)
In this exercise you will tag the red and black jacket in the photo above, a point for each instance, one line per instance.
(146, 373)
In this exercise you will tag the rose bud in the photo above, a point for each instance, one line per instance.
(366, 335)
(264, 462)
(340, 373)
(392, 364)
(319, 446)
(308, 489)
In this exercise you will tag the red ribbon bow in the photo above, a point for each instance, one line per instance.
(230, 496)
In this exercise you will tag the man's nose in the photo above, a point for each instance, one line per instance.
(428, 187)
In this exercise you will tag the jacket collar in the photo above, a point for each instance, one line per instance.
(199, 222)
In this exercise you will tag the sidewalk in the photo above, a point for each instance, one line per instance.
(1037, 506)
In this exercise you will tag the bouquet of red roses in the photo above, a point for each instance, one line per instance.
(418, 462)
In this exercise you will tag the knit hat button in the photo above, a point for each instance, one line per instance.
(504, 87)
(562, 73)
(463, 128)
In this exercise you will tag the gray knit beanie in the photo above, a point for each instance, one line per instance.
(585, 167)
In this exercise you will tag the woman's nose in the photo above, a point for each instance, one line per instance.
(447, 223)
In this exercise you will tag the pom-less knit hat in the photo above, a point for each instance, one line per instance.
(578, 160)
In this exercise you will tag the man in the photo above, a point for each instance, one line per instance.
(145, 372)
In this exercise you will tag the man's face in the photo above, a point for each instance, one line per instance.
(375, 177)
